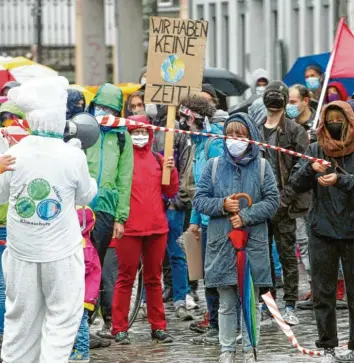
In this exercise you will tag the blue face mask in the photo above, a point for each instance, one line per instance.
(100, 112)
(313, 83)
(292, 111)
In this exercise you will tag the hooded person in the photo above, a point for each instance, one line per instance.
(8, 112)
(336, 92)
(239, 170)
(75, 104)
(110, 162)
(43, 262)
(331, 220)
(145, 236)
(260, 80)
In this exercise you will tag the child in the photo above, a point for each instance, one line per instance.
(43, 262)
(81, 347)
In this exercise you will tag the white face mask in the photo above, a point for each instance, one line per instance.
(236, 148)
(140, 140)
(151, 110)
(260, 90)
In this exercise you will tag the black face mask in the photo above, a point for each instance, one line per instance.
(274, 100)
(335, 129)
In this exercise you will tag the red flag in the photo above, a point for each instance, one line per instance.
(343, 49)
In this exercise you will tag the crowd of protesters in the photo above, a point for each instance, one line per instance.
(301, 210)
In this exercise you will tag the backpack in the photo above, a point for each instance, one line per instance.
(187, 187)
(215, 166)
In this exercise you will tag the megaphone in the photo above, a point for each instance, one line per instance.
(84, 127)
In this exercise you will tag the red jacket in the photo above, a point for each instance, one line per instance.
(147, 211)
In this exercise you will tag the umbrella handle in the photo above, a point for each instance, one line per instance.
(240, 196)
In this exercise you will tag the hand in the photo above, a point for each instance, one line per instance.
(319, 168)
(6, 162)
(236, 221)
(194, 228)
(170, 163)
(118, 230)
(328, 180)
(231, 205)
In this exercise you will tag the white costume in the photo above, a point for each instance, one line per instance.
(43, 263)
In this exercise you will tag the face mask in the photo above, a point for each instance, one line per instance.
(274, 101)
(333, 97)
(140, 140)
(100, 112)
(151, 110)
(313, 83)
(141, 111)
(260, 90)
(335, 129)
(292, 111)
(236, 148)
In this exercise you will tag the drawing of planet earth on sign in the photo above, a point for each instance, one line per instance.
(172, 69)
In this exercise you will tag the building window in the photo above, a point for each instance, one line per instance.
(165, 2)
(225, 35)
(200, 12)
(212, 33)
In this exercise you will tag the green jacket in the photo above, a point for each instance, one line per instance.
(112, 170)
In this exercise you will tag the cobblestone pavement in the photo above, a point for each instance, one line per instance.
(274, 344)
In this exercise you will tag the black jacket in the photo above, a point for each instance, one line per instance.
(290, 135)
(332, 210)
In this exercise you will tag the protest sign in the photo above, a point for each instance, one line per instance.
(175, 66)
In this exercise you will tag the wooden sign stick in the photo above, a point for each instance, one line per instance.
(169, 139)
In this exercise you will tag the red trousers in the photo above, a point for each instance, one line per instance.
(129, 250)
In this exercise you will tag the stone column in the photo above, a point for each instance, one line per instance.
(130, 39)
(91, 52)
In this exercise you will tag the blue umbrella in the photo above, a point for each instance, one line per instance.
(297, 72)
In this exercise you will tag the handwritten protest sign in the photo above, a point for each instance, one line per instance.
(175, 59)
(175, 67)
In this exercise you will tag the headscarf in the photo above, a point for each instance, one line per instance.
(331, 147)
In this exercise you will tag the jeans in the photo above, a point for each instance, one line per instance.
(177, 257)
(230, 306)
(109, 278)
(277, 265)
(82, 341)
(303, 241)
(2, 280)
(325, 254)
(211, 294)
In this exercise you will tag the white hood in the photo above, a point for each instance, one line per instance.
(256, 75)
(44, 102)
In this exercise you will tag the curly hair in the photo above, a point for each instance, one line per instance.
(200, 105)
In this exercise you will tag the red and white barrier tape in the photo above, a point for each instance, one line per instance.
(272, 306)
(111, 121)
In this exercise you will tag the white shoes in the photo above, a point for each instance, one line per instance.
(190, 303)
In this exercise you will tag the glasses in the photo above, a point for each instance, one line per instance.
(108, 110)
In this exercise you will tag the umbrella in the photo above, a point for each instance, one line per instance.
(225, 81)
(22, 69)
(243, 106)
(239, 239)
(297, 72)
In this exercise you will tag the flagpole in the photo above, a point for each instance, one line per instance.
(328, 74)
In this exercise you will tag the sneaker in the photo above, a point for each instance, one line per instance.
(160, 336)
(227, 357)
(97, 342)
(194, 295)
(122, 338)
(211, 337)
(75, 356)
(248, 357)
(349, 357)
(328, 356)
(183, 314)
(167, 294)
(306, 303)
(105, 332)
(201, 326)
(190, 303)
(290, 317)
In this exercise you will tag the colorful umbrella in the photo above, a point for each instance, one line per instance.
(22, 69)
(239, 238)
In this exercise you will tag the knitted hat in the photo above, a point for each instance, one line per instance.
(44, 102)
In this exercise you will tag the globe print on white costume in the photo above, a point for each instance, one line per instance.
(172, 69)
